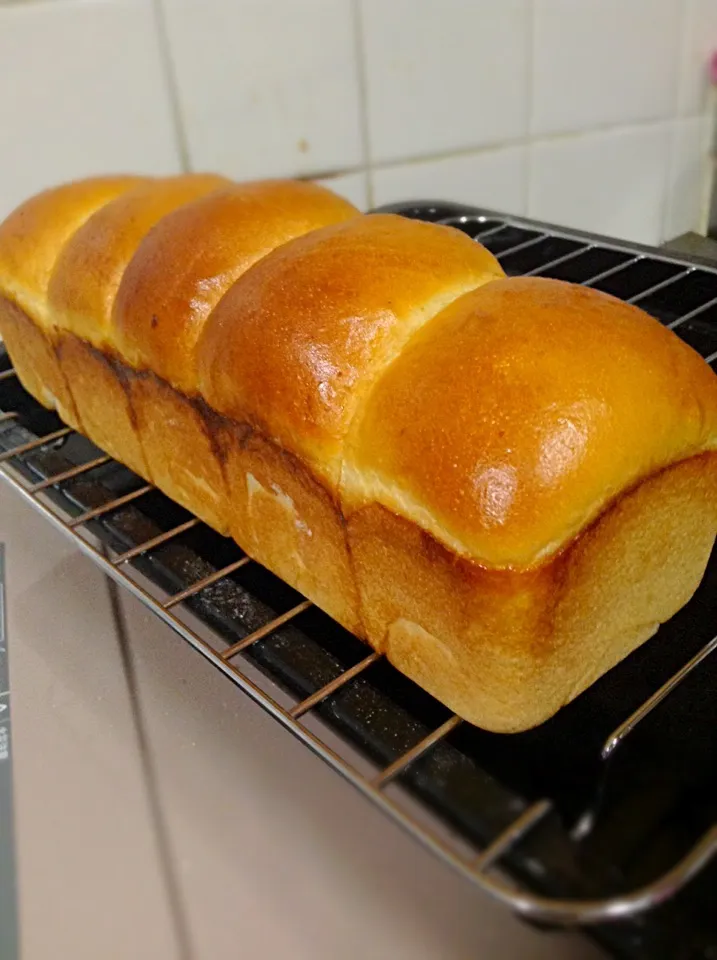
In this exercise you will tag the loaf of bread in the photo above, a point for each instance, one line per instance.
(505, 485)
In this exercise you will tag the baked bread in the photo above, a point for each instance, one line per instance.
(176, 277)
(537, 471)
(80, 298)
(32, 236)
(321, 319)
(505, 485)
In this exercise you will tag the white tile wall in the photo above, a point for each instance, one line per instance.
(353, 186)
(610, 182)
(492, 178)
(599, 62)
(590, 108)
(444, 74)
(266, 87)
(82, 91)
(699, 42)
(688, 182)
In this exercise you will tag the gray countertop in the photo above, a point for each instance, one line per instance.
(693, 244)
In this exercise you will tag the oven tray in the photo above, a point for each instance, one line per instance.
(606, 815)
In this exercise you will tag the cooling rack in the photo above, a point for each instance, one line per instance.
(603, 814)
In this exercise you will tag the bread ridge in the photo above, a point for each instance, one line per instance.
(682, 414)
(285, 357)
(101, 371)
(25, 271)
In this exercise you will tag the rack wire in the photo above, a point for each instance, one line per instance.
(489, 865)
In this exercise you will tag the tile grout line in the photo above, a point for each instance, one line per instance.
(680, 54)
(360, 54)
(499, 145)
(530, 101)
(707, 145)
(172, 86)
(161, 832)
(666, 199)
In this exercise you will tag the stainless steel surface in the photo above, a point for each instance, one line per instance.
(155, 541)
(90, 881)
(556, 262)
(299, 709)
(657, 286)
(625, 728)
(382, 778)
(70, 474)
(522, 825)
(204, 582)
(88, 515)
(264, 631)
(35, 444)
(8, 875)
(693, 244)
(692, 313)
(636, 251)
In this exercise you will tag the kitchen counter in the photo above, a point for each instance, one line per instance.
(161, 815)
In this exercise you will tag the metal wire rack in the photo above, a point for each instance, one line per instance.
(521, 843)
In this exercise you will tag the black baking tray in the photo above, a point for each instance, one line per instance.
(616, 824)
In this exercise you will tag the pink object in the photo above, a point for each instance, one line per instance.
(713, 68)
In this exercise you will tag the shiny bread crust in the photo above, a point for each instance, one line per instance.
(514, 419)
(31, 238)
(183, 267)
(504, 485)
(295, 347)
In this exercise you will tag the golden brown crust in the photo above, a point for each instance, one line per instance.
(366, 414)
(100, 390)
(506, 649)
(508, 423)
(295, 345)
(287, 520)
(81, 296)
(178, 274)
(180, 444)
(31, 240)
(32, 237)
(187, 262)
(88, 272)
(35, 360)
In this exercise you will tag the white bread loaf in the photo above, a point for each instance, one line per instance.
(504, 485)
